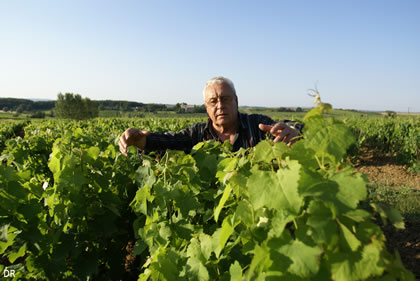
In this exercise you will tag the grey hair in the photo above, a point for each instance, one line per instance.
(219, 80)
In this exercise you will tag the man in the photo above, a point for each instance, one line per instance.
(224, 123)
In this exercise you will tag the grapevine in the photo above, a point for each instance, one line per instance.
(69, 203)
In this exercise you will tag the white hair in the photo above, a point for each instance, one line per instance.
(219, 80)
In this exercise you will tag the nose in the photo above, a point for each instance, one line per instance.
(219, 103)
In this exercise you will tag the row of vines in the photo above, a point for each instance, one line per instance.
(70, 203)
(10, 129)
(389, 135)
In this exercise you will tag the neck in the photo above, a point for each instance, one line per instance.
(226, 129)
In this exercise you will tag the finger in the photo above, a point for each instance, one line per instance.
(277, 139)
(291, 134)
(295, 139)
(130, 135)
(283, 135)
(130, 132)
(146, 133)
(123, 145)
(123, 150)
(122, 139)
(265, 128)
(277, 128)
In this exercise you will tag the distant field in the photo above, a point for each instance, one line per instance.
(408, 114)
(6, 115)
(337, 113)
(157, 114)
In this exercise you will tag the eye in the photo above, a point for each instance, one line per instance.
(226, 99)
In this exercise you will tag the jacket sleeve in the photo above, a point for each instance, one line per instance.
(181, 140)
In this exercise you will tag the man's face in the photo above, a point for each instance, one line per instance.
(221, 104)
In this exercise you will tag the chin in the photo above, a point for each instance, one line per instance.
(224, 121)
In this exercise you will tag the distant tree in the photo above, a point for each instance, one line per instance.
(390, 113)
(178, 107)
(42, 105)
(90, 109)
(5, 109)
(12, 103)
(284, 109)
(20, 108)
(38, 114)
(299, 109)
(199, 109)
(152, 107)
(27, 107)
(124, 106)
(74, 107)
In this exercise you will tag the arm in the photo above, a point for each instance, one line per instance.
(182, 140)
(147, 141)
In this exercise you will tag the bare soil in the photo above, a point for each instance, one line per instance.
(385, 169)
(407, 242)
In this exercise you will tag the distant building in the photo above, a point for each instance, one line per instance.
(187, 108)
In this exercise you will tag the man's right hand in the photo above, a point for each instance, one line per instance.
(132, 137)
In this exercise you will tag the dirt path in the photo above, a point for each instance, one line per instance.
(385, 169)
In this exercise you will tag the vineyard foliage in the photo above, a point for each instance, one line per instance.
(70, 203)
(9, 130)
(389, 135)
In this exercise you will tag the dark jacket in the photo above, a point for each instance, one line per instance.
(248, 134)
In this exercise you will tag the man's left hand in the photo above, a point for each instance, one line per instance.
(282, 132)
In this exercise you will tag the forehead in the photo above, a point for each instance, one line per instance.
(218, 90)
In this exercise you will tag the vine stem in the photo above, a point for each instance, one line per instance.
(166, 167)
(278, 161)
(320, 163)
(294, 222)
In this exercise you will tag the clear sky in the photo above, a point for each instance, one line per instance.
(365, 54)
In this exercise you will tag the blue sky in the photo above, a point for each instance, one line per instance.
(363, 54)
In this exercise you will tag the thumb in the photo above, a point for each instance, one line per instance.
(144, 133)
(264, 127)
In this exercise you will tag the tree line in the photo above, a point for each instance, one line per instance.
(25, 105)
(21, 105)
(73, 106)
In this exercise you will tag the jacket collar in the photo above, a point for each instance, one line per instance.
(242, 125)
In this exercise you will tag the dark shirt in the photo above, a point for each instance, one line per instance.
(248, 134)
